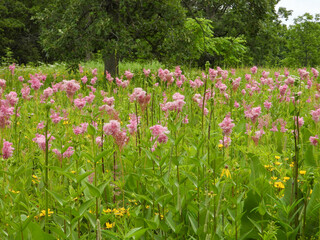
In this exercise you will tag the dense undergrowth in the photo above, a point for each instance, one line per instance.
(159, 154)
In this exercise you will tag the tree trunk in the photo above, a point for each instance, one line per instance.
(111, 63)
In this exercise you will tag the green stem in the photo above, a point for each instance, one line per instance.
(47, 172)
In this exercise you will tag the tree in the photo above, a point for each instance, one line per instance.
(19, 33)
(304, 41)
(234, 18)
(72, 29)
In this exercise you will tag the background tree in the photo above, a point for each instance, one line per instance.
(304, 41)
(73, 29)
(19, 33)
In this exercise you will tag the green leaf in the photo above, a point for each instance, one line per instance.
(37, 233)
(102, 154)
(110, 235)
(57, 197)
(82, 176)
(136, 233)
(91, 130)
(93, 190)
(84, 206)
(171, 223)
(102, 186)
(193, 222)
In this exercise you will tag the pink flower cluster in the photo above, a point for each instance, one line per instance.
(226, 125)
(134, 121)
(176, 105)
(80, 102)
(141, 97)
(99, 141)
(6, 111)
(70, 87)
(80, 129)
(35, 82)
(108, 77)
(120, 136)
(199, 99)
(41, 141)
(48, 92)
(121, 83)
(146, 72)
(165, 75)
(315, 115)
(314, 140)
(11, 68)
(128, 74)
(196, 83)
(55, 116)
(7, 149)
(159, 134)
(67, 154)
(12, 98)
(253, 113)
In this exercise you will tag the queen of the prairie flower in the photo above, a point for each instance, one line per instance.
(7, 149)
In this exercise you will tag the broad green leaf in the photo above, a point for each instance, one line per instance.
(93, 190)
(57, 197)
(136, 233)
(84, 206)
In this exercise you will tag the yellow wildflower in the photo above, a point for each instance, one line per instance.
(303, 172)
(279, 185)
(274, 178)
(226, 172)
(107, 211)
(285, 179)
(277, 157)
(109, 225)
(277, 163)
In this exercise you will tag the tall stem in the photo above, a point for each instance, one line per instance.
(47, 172)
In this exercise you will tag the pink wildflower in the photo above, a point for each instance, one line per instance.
(267, 104)
(40, 125)
(112, 127)
(68, 153)
(35, 83)
(25, 91)
(80, 102)
(11, 68)
(7, 150)
(226, 141)
(134, 121)
(226, 125)
(128, 75)
(41, 141)
(99, 141)
(146, 72)
(2, 83)
(314, 140)
(70, 87)
(95, 72)
(93, 80)
(84, 79)
(109, 101)
(254, 70)
(12, 98)
(55, 117)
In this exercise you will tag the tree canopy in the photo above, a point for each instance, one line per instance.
(225, 32)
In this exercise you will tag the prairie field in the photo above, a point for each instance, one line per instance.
(159, 153)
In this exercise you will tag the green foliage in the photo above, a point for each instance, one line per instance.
(303, 42)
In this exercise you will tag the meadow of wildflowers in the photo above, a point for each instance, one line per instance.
(160, 154)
